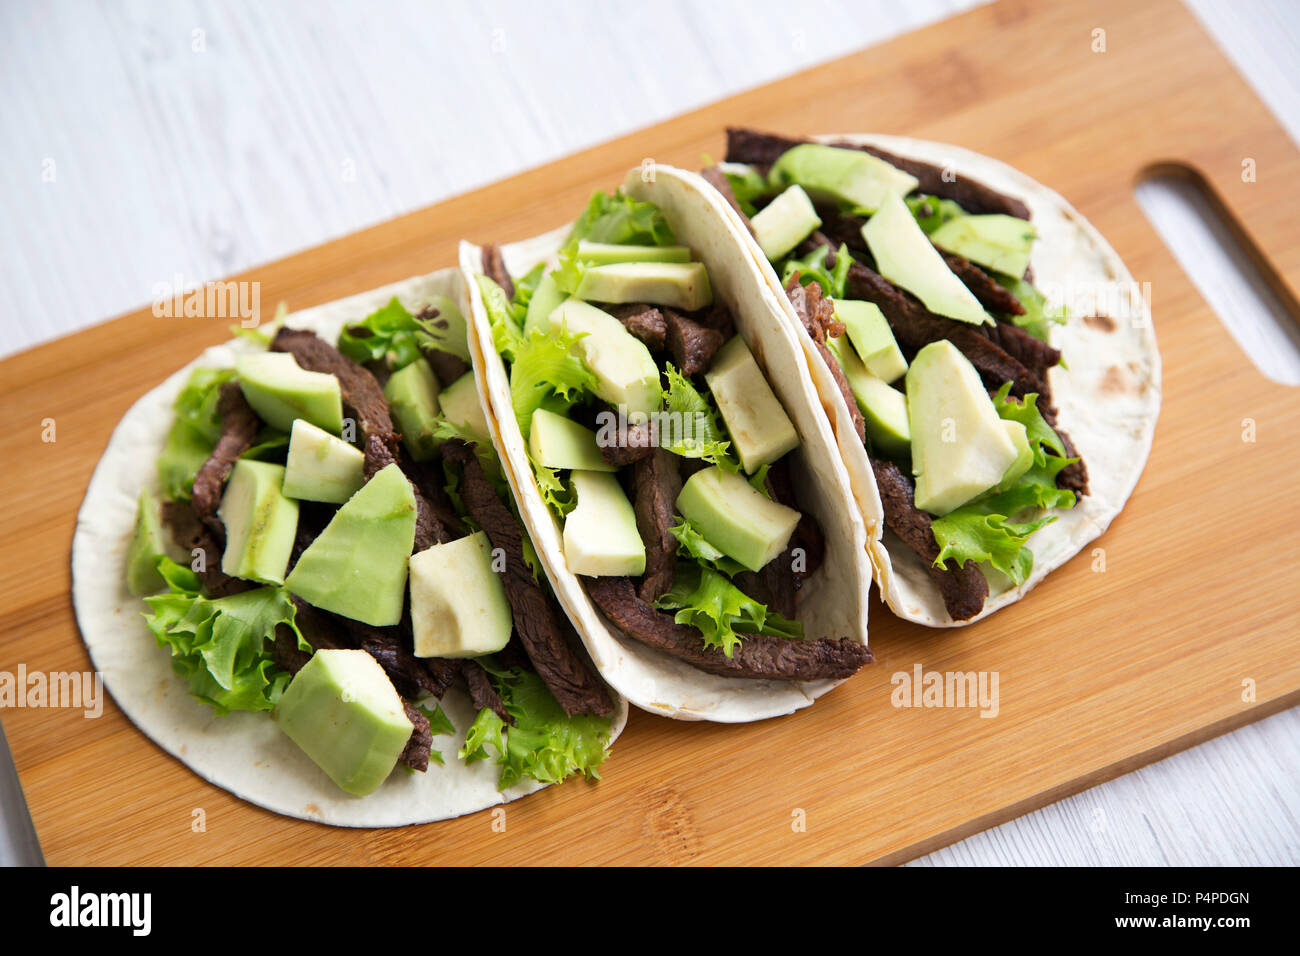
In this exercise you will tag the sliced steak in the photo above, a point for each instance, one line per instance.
(639, 444)
(782, 579)
(239, 425)
(446, 366)
(658, 481)
(811, 309)
(494, 268)
(990, 293)
(192, 535)
(764, 149)
(1033, 353)
(963, 589)
(692, 345)
(757, 656)
(645, 322)
(416, 754)
(717, 317)
(571, 680)
(481, 692)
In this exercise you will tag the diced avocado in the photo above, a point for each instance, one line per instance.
(460, 405)
(680, 285)
(357, 566)
(605, 253)
(760, 430)
(458, 602)
(960, 447)
(260, 522)
(872, 338)
(343, 711)
(734, 517)
(412, 394)
(546, 298)
(841, 175)
(883, 407)
(905, 257)
(600, 534)
(320, 467)
(558, 442)
(784, 223)
(997, 242)
(146, 547)
(448, 327)
(279, 390)
(626, 372)
(1019, 436)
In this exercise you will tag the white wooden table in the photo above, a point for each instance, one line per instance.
(144, 140)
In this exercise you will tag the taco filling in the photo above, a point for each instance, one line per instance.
(660, 449)
(352, 552)
(915, 289)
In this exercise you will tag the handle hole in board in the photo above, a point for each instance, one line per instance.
(1237, 281)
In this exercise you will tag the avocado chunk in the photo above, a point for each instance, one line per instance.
(760, 429)
(448, 328)
(357, 566)
(343, 711)
(785, 222)
(460, 406)
(625, 371)
(260, 522)
(546, 298)
(741, 522)
(146, 547)
(997, 242)
(458, 602)
(679, 285)
(872, 338)
(845, 176)
(279, 390)
(558, 442)
(600, 535)
(412, 394)
(606, 253)
(320, 467)
(960, 447)
(883, 407)
(905, 256)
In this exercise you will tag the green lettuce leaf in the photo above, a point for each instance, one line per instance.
(812, 268)
(221, 646)
(1041, 435)
(931, 212)
(439, 725)
(971, 534)
(524, 289)
(693, 428)
(559, 497)
(389, 329)
(194, 431)
(1038, 318)
(708, 601)
(545, 744)
(618, 218)
(747, 184)
(693, 544)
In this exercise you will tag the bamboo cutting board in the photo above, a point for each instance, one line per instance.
(1099, 671)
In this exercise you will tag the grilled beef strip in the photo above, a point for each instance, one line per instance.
(192, 535)
(784, 582)
(963, 589)
(239, 425)
(494, 268)
(817, 315)
(640, 445)
(718, 318)
(481, 692)
(446, 366)
(764, 149)
(416, 753)
(570, 678)
(758, 656)
(657, 481)
(692, 345)
(645, 322)
(990, 293)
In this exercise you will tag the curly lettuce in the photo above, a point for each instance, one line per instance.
(545, 744)
(692, 427)
(706, 600)
(221, 646)
(618, 218)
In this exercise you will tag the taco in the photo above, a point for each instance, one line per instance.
(989, 430)
(663, 440)
(348, 621)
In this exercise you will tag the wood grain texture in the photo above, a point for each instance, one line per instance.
(1100, 673)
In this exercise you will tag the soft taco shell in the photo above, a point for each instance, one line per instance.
(834, 599)
(242, 752)
(1108, 398)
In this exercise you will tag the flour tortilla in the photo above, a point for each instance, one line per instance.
(243, 752)
(1108, 398)
(834, 600)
